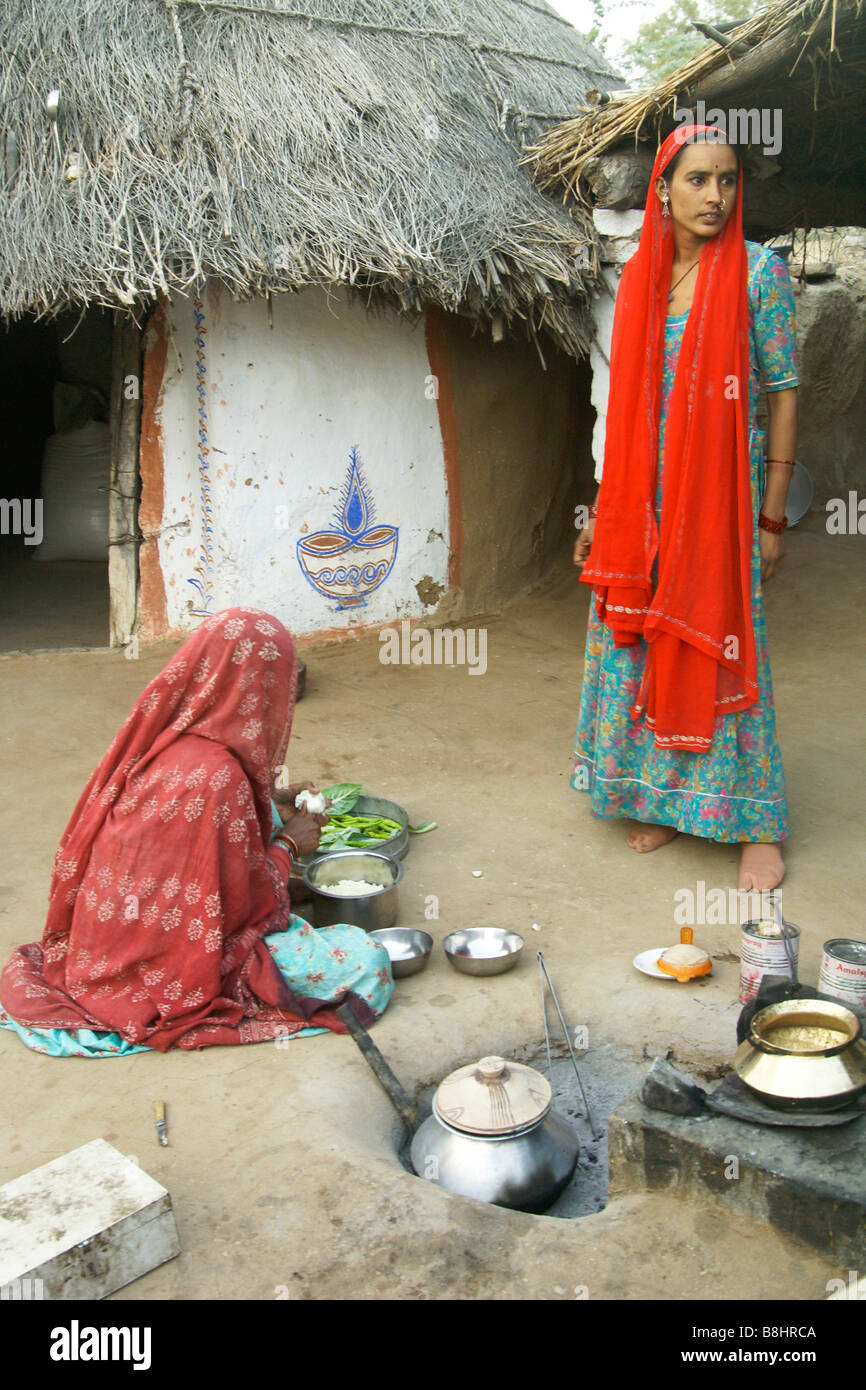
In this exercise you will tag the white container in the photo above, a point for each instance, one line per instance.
(763, 952)
(82, 1226)
(843, 970)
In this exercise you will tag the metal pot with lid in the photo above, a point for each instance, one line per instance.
(494, 1136)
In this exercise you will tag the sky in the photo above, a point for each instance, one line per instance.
(622, 18)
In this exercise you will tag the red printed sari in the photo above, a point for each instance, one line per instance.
(165, 883)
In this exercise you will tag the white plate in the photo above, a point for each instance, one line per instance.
(645, 961)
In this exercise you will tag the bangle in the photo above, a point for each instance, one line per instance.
(789, 463)
(593, 511)
(768, 524)
(281, 838)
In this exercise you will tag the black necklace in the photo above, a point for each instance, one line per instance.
(680, 281)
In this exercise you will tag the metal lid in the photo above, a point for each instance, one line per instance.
(493, 1097)
(847, 949)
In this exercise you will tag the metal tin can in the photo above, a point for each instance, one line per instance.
(763, 952)
(843, 970)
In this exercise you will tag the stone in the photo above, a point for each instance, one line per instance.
(807, 1183)
(819, 270)
(665, 1088)
(619, 180)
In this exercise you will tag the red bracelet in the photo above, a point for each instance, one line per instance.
(286, 840)
(768, 524)
(789, 463)
(593, 511)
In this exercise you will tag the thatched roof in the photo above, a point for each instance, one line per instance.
(371, 143)
(805, 58)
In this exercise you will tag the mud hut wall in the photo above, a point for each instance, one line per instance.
(524, 446)
(259, 408)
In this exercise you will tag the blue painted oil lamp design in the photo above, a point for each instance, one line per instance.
(347, 563)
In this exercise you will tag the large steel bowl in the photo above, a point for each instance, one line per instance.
(483, 950)
(371, 911)
(398, 845)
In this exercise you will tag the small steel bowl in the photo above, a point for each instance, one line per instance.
(483, 950)
(371, 911)
(408, 948)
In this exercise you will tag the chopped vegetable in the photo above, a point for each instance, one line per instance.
(314, 803)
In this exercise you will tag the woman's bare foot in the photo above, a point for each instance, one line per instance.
(761, 868)
(648, 837)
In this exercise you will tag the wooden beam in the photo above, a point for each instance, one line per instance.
(123, 491)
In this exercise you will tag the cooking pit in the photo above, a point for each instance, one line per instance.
(610, 1074)
(806, 1182)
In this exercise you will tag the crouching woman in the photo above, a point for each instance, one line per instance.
(169, 922)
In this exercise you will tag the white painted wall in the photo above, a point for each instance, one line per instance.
(620, 234)
(285, 404)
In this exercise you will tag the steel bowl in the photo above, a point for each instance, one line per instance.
(408, 948)
(483, 950)
(371, 911)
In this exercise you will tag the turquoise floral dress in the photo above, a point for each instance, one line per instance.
(736, 790)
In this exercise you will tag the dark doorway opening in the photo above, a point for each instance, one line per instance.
(55, 382)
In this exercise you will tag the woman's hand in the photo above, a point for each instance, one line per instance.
(285, 796)
(304, 830)
(583, 545)
(772, 545)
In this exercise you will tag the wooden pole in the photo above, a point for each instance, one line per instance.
(124, 482)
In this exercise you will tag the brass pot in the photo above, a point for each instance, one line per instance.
(804, 1054)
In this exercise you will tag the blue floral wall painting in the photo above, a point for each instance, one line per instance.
(350, 561)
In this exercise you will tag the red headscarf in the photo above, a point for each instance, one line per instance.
(698, 624)
(165, 883)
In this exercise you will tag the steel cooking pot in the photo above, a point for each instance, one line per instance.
(494, 1136)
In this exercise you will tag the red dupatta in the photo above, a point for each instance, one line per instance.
(165, 882)
(697, 622)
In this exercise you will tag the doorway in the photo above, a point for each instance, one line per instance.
(55, 383)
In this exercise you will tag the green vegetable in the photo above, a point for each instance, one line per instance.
(422, 829)
(357, 832)
(342, 797)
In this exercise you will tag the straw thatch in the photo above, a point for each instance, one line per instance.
(805, 58)
(369, 143)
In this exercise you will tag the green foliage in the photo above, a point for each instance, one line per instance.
(668, 40)
(342, 797)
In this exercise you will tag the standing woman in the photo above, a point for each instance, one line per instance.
(677, 730)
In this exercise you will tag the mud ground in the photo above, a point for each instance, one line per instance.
(282, 1162)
